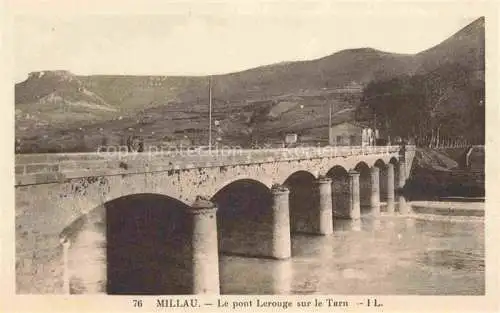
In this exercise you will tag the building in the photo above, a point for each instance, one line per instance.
(291, 138)
(352, 134)
(176, 142)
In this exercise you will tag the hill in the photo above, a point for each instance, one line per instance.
(444, 96)
(59, 111)
(466, 47)
(56, 98)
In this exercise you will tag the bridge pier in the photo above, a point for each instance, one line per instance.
(354, 201)
(402, 206)
(324, 216)
(281, 241)
(402, 166)
(84, 261)
(375, 191)
(401, 174)
(204, 249)
(65, 261)
(390, 188)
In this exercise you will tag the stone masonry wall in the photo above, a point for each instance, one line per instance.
(52, 191)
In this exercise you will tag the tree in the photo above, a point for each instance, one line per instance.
(395, 103)
(444, 103)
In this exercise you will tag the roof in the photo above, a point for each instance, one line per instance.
(354, 123)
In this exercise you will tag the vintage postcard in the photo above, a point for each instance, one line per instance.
(276, 156)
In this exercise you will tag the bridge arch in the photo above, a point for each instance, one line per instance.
(394, 161)
(383, 172)
(303, 200)
(243, 217)
(223, 183)
(129, 245)
(364, 185)
(340, 191)
(362, 166)
(337, 170)
(379, 163)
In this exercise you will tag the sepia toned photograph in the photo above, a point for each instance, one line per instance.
(250, 152)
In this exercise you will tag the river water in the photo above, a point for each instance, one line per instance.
(418, 255)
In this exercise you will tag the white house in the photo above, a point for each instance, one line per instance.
(352, 134)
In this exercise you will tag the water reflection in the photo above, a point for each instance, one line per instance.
(403, 207)
(410, 223)
(393, 254)
(342, 225)
(282, 277)
(371, 223)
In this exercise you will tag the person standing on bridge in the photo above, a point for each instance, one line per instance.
(140, 145)
(135, 144)
(130, 144)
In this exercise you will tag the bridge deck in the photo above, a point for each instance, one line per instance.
(45, 168)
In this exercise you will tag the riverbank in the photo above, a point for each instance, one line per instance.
(436, 174)
(448, 208)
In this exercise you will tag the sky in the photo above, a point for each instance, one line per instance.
(216, 37)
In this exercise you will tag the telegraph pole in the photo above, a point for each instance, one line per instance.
(210, 113)
(330, 139)
(330, 142)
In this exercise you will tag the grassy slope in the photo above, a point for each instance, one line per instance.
(465, 47)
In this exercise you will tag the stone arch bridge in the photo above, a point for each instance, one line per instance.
(86, 222)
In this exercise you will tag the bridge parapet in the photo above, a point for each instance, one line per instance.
(49, 168)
